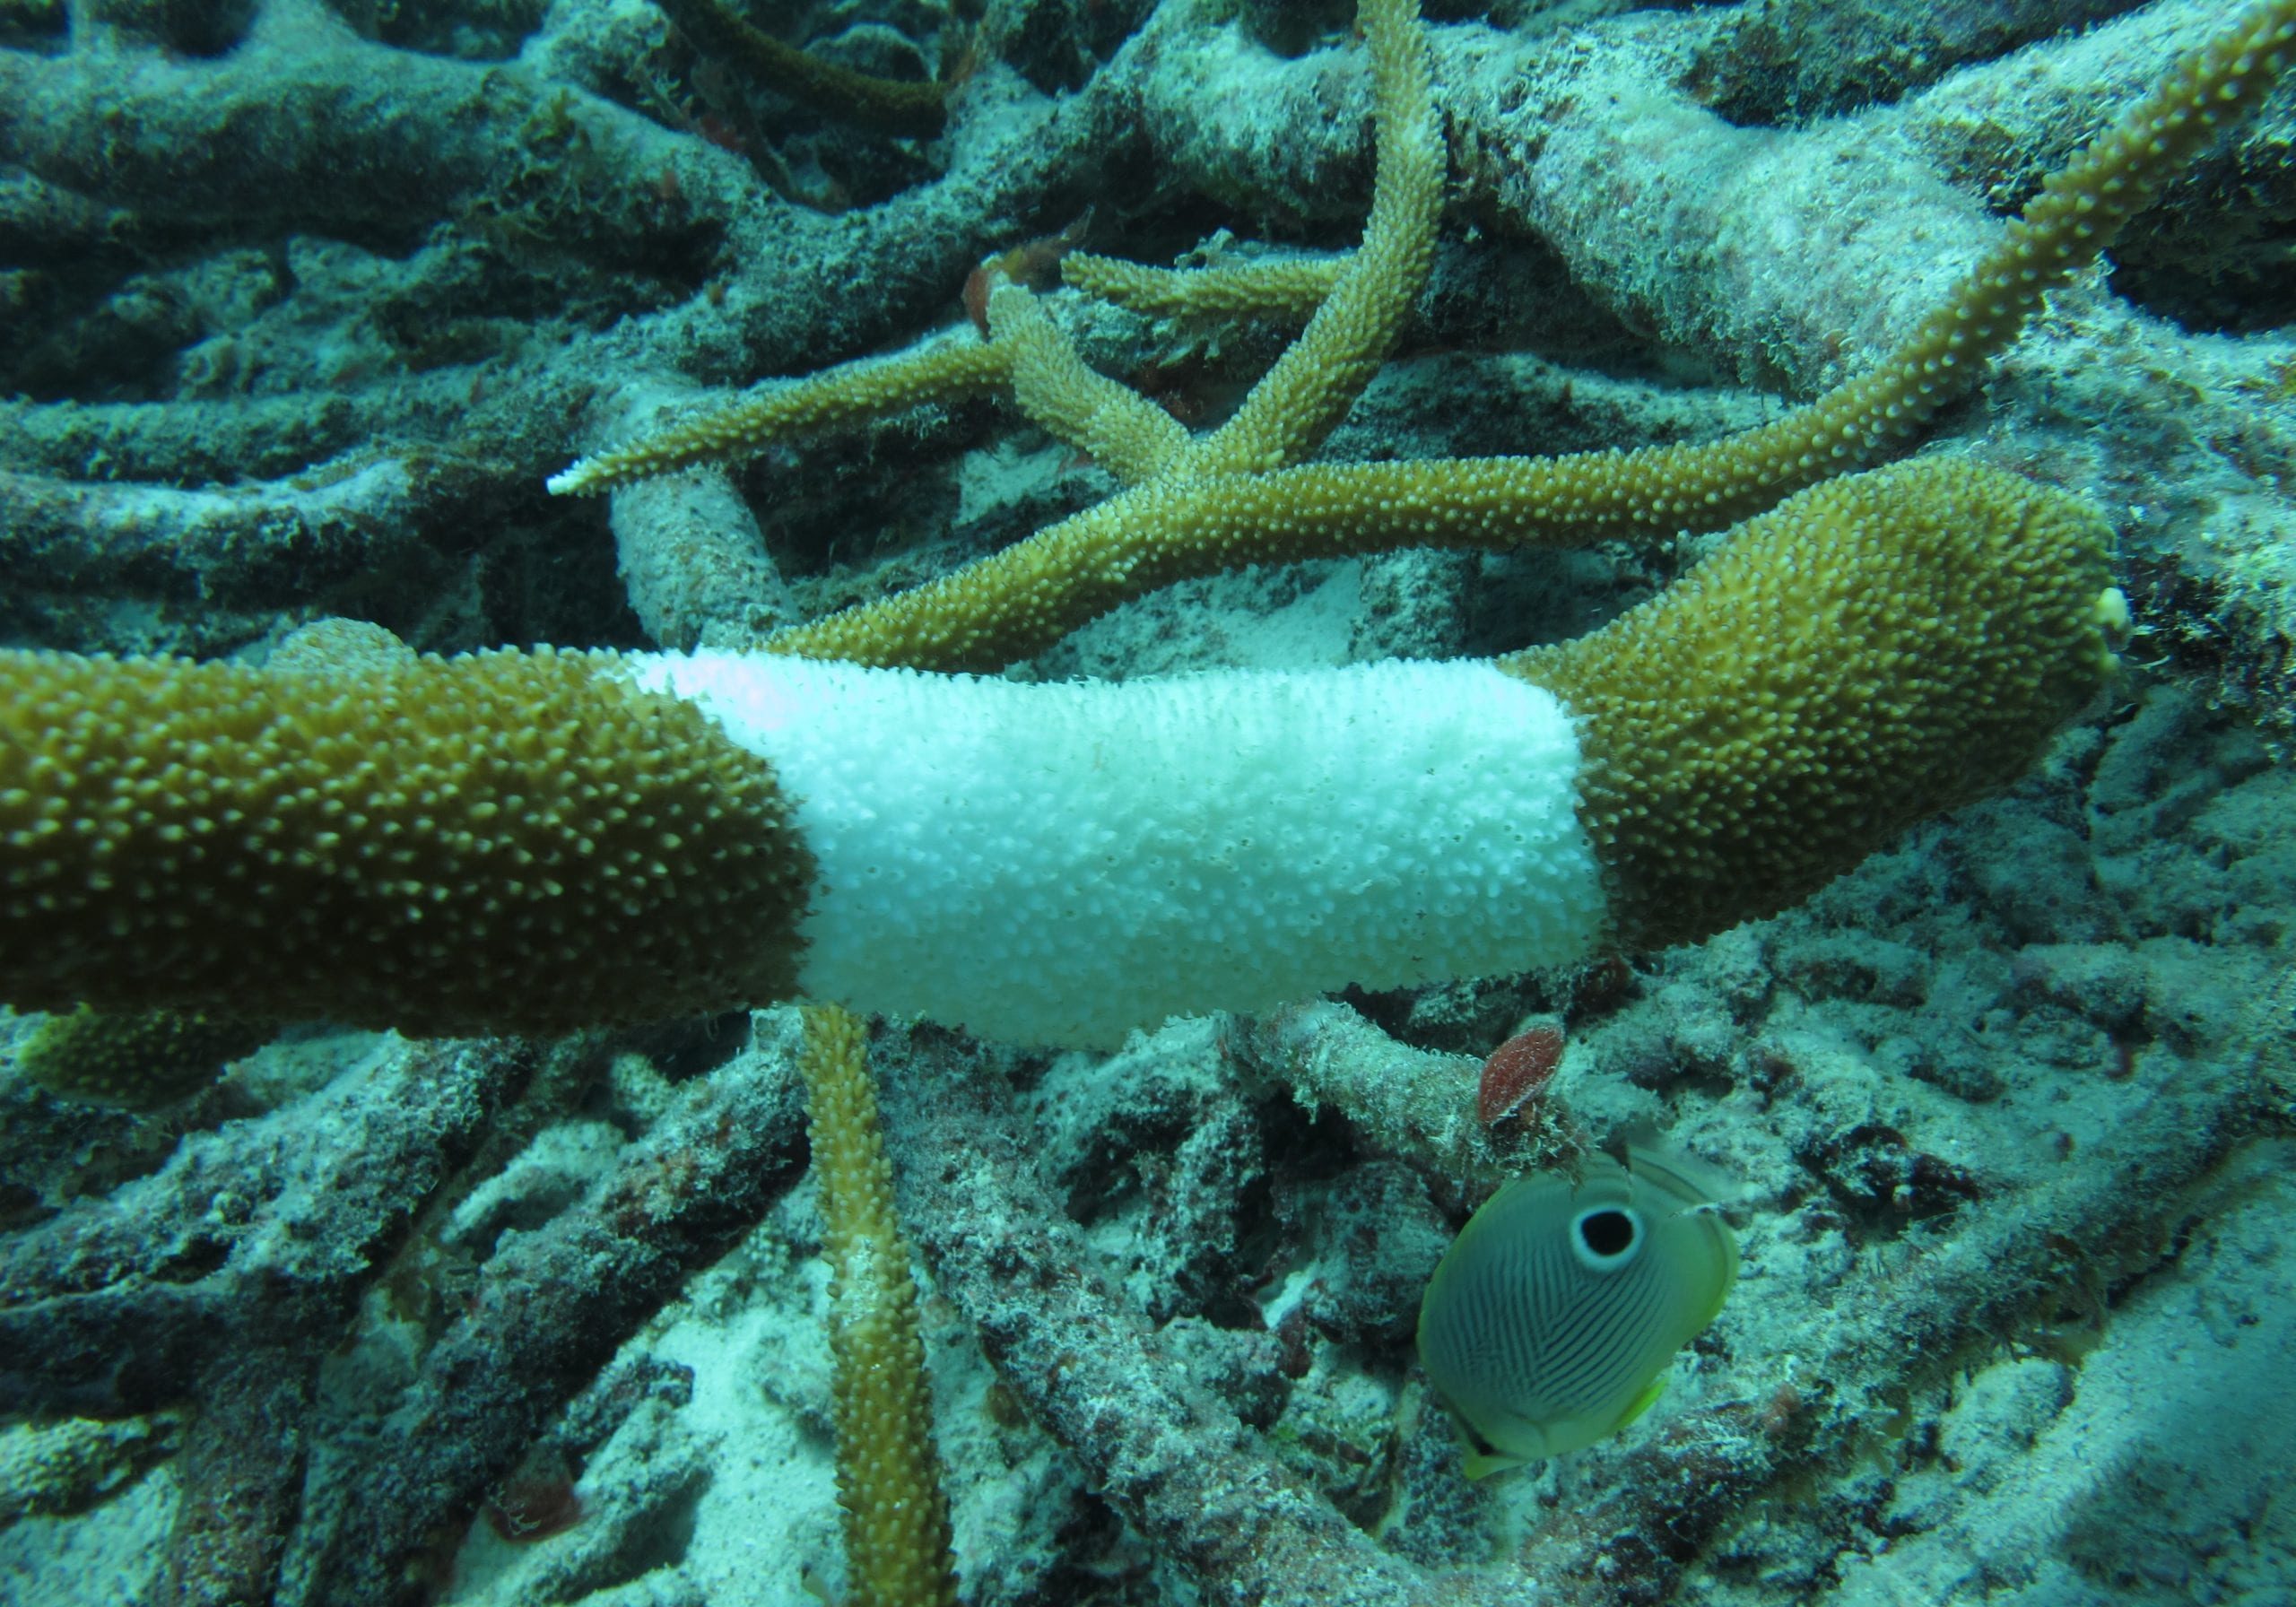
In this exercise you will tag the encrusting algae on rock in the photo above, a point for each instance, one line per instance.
(1171, 1290)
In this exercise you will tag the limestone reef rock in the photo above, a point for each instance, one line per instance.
(305, 303)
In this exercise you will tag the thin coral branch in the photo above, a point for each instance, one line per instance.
(1026, 597)
(889, 1475)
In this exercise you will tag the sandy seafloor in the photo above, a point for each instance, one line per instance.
(2011, 1104)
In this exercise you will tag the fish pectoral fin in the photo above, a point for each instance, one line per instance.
(1641, 1403)
(1482, 1464)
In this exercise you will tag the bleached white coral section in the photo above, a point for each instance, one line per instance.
(1059, 864)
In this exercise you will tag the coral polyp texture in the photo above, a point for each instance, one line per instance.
(140, 1059)
(1209, 565)
(889, 1474)
(513, 843)
(509, 842)
(1823, 743)
(1871, 652)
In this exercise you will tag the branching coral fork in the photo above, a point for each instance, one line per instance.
(537, 842)
(1019, 600)
(1289, 411)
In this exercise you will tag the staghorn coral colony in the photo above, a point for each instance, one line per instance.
(400, 395)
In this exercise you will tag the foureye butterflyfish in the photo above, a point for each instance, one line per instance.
(1550, 1321)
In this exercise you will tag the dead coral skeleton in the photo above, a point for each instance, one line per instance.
(82, 1291)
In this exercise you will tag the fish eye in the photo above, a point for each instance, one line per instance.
(1606, 1237)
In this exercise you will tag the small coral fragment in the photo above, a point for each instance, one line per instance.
(141, 1060)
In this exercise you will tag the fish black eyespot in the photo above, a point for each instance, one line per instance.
(1606, 1234)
